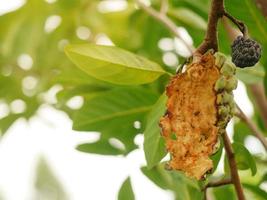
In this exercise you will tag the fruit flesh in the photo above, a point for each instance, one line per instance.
(192, 116)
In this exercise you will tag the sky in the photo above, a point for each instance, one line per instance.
(83, 176)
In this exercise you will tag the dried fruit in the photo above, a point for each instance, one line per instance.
(245, 52)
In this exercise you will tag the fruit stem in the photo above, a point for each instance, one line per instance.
(241, 26)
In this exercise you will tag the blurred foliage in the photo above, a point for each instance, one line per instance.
(126, 191)
(34, 69)
(47, 186)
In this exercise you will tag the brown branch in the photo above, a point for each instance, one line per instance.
(163, 19)
(211, 41)
(252, 126)
(261, 101)
(215, 184)
(262, 5)
(233, 167)
(219, 183)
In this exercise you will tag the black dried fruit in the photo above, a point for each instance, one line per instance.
(245, 52)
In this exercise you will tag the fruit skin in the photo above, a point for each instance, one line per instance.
(231, 84)
(228, 69)
(245, 52)
(220, 58)
(220, 84)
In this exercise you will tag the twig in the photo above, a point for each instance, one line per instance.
(232, 165)
(252, 126)
(164, 7)
(216, 184)
(162, 18)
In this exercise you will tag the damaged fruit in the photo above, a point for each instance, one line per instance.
(199, 107)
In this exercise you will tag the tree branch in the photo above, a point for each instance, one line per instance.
(232, 165)
(252, 126)
(162, 18)
(211, 41)
(260, 98)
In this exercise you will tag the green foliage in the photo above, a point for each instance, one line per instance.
(126, 191)
(46, 184)
(113, 113)
(183, 187)
(113, 64)
(154, 143)
(244, 159)
(119, 87)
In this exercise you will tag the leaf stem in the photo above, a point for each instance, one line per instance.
(233, 167)
(242, 27)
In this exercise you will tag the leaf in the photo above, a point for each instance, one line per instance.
(241, 131)
(217, 156)
(224, 192)
(243, 158)
(114, 112)
(183, 187)
(46, 184)
(154, 146)
(113, 64)
(100, 147)
(257, 191)
(251, 75)
(158, 176)
(126, 191)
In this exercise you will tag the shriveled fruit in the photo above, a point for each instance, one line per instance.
(245, 52)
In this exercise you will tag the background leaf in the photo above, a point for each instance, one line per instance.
(114, 112)
(244, 159)
(126, 191)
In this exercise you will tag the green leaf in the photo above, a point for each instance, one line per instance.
(224, 192)
(257, 191)
(251, 75)
(113, 64)
(154, 146)
(217, 156)
(241, 131)
(183, 187)
(47, 185)
(100, 147)
(126, 191)
(114, 112)
(243, 158)
(159, 176)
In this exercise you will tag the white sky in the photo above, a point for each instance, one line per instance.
(84, 176)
